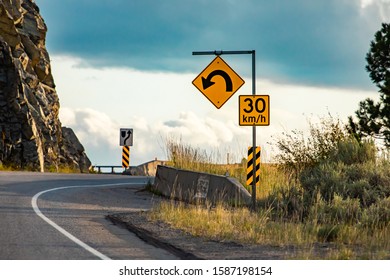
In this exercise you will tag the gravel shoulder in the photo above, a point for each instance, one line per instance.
(186, 246)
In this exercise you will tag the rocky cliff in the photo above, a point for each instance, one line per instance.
(31, 136)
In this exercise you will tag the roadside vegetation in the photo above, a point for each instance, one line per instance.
(328, 193)
(326, 190)
(184, 156)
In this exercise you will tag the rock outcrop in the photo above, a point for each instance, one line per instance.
(31, 136)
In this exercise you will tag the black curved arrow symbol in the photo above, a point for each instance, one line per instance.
(206, 82)
(128, 136)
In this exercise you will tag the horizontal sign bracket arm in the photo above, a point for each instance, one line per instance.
(221, 52)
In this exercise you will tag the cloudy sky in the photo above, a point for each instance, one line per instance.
(129, 64)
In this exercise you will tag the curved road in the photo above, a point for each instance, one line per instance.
(62, 216)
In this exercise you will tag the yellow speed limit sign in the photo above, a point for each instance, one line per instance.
(254, 110)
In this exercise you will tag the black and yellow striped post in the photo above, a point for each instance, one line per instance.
(126, 156)
(249, 170)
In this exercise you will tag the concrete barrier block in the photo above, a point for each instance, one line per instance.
(146, 169)
(194, 187)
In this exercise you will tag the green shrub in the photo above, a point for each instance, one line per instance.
(296, 152)
(361, 190)
(350, 151)
(325, 179)
(346, 211)
(328, 233)
(378, 214)
(286, 202)
(338, 211)
(365, 179)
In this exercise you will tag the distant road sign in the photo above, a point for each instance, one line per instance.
(254, 110)
(218, 82)
(126, 137)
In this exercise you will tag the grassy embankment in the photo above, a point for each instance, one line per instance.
(325, 189)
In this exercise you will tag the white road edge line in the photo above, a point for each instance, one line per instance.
(63, 231)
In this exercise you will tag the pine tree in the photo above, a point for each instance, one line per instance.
(373, 119)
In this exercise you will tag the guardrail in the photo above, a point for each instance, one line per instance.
(146, 169)
(113, 167)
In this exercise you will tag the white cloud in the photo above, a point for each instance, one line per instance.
(366, 3)
(199, 130)
(93, 128)
(382, 7)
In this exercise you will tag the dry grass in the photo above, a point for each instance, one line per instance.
(6, 168)
(340, 200)
(50, 169)
(240, 225)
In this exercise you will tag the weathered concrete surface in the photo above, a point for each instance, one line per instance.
(192, 186)
(146, 169)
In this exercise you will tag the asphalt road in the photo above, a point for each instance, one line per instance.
(62, 216)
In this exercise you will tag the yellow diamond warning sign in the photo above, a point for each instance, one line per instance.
(253, 110)
(218, 82)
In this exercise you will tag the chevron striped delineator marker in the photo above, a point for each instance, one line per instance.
(249, 171)
(126, 156)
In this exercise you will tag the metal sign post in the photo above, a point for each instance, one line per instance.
(254, 132)
(253, 53)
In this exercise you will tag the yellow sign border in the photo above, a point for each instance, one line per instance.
(254, 123)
